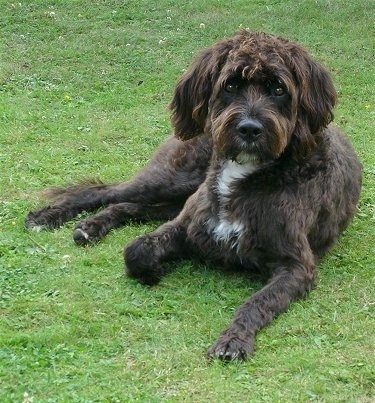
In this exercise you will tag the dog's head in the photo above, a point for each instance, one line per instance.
(258, 95)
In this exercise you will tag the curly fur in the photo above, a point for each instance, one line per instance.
(255, 177)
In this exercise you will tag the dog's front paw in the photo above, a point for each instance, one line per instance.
(141, 262)
(232, 346)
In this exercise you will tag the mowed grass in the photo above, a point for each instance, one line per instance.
(84, 88)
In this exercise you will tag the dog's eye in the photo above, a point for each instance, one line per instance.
(279, 91)
(231, 87)
(275, 88)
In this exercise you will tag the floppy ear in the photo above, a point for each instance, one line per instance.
(194, 89)
(317, 98)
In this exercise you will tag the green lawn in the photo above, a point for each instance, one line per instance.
(83, 92)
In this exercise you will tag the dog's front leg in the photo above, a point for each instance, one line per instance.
(144, 257)
(237, 342)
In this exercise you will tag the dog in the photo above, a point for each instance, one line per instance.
(255, 177)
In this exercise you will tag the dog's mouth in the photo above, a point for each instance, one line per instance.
(247, 158)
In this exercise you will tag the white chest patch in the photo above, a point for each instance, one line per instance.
(231, 172)
(225, 228)
(227, 231)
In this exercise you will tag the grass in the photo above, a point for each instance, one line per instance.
(84, 87)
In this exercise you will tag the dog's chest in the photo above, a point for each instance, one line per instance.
(227, 225)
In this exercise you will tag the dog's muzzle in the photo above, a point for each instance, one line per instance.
(249, 129)
(247, 158)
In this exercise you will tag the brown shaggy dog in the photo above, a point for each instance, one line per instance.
(255, 178)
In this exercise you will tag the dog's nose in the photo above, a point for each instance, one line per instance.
(249, 129)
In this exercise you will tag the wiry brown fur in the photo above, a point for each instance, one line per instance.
(255, 177)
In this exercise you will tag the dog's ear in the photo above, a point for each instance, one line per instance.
(315, 103)
(193, 91)
(317, 94)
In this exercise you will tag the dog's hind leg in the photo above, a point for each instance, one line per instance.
(175, 172)
(67, 204)
(93, 229)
